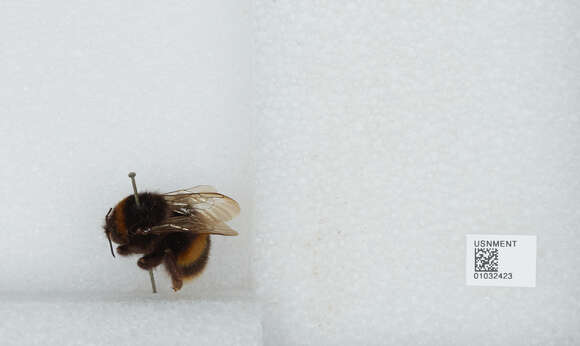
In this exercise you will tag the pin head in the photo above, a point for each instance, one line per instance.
(132, 176)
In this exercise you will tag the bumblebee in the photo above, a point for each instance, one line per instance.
(172, 228)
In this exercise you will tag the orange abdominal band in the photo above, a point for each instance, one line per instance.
(121, 228)
(188, 258)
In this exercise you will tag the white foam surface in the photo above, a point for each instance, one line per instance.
(95, 90)
(363, 140)
(141, 319)
(91, 91)
(388, 131)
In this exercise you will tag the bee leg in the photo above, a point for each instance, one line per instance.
(174, 272)
(123, 250)
(133, 247)
(151, 260)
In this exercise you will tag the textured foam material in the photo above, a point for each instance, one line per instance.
(388, 131)
(91, 91)
(94, 91)
(363, 140)
(128, 320)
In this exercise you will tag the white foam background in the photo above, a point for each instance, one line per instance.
(91, 91)
(363, 140)
(136, 319)
(388, 131)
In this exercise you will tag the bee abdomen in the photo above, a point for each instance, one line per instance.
(193, 258)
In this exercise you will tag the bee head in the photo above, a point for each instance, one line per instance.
(126, 217)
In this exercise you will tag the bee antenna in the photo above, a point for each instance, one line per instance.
(132, 176)
(110, 243)
(109, 232)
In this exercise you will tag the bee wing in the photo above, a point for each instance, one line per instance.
(195, 189)
(192, 225)
(211, 206)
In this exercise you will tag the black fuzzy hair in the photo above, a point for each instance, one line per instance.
(153, 210)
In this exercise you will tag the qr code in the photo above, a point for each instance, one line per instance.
(486, 260)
